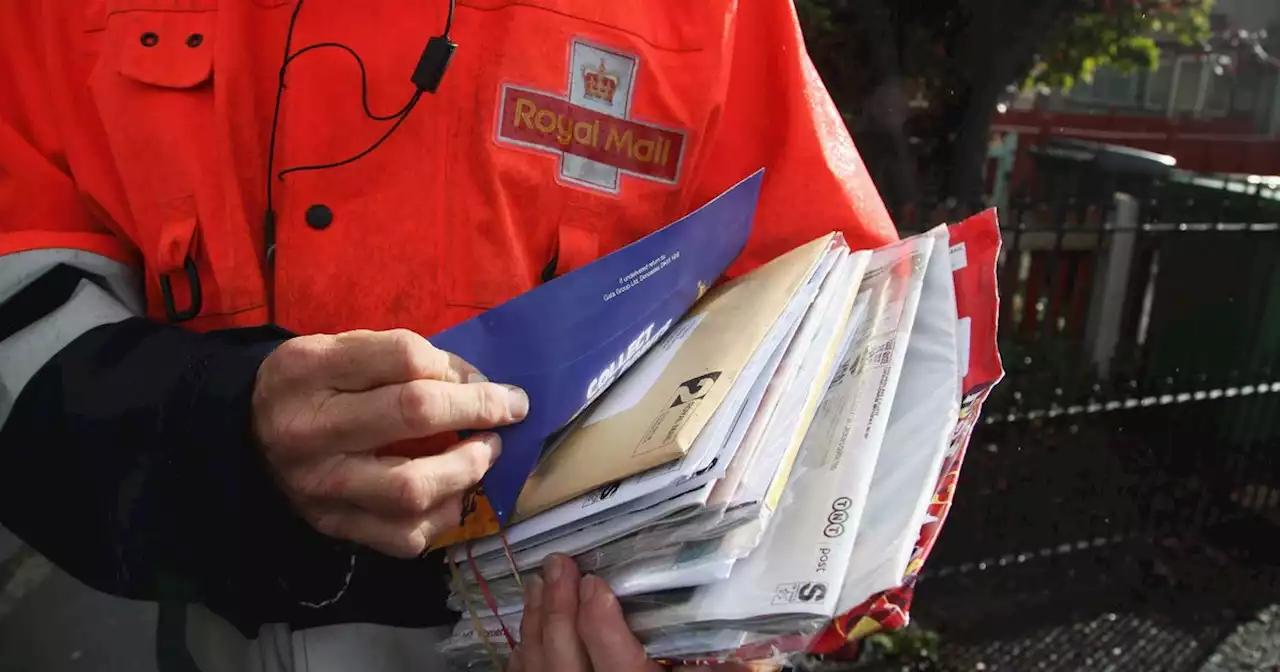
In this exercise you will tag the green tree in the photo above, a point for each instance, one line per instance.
(955, 59)
(1119, 34)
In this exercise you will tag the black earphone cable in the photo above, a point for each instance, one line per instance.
(402, 115)
(399, 116)
(364, 78)
(269, 216)
(275, 114)
(426, 77)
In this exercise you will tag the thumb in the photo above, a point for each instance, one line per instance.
(604, 631)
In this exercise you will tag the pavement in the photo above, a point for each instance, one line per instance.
(49, 622)
(1255, 645)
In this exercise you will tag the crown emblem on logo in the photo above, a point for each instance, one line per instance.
(601, 83)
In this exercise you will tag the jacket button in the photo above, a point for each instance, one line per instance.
(149, 39)
(194, 40)
(319, 217)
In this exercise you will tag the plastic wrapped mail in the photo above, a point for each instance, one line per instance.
(791, 583)
(974, 251)
(843, 505)
(691, 523)
(918, 434)
(791, 284)
(792, 382)
(684, 565)
(827, 480)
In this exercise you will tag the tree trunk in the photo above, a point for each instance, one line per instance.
(881, 138)
(968, 155)
(880, 131)
(996, 48)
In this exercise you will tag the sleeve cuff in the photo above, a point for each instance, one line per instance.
(278, 556)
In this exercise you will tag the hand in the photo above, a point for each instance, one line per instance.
(573, 623)
(321, 406)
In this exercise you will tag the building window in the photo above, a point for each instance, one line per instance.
(1189, 80)
(1158, 83)
(1218, 101)
(1109, 87)
(1188, 85)
(1244, 99)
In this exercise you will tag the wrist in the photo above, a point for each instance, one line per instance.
(281, 558)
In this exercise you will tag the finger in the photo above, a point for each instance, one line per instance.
(609, 641)
(363, 421)
(530, 649)
(516, 664)
(400, 538)
(363, 360)
(560, 642)
(404, 487)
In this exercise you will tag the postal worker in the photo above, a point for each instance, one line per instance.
(228, 229)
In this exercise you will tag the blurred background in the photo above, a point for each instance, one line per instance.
(1120, 504)
(1119, 507)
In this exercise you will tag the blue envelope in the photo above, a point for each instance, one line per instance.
(566, 341)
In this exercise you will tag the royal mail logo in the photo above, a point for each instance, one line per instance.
(591, 129)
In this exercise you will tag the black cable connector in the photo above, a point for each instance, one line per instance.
(432, 64)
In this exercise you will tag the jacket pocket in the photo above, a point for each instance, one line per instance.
(576, 246)
(154, 89)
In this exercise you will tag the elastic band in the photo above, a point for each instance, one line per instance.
(488, 597)
(511, 559)
(460, 586)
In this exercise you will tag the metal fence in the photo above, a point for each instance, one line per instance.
(1118, 508)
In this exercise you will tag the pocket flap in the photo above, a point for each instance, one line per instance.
(167, 49)
(576, 247)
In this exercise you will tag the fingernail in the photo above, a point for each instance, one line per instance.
(495, 446)
(554, 568)
(533, 592)
(476, 377)
(587, 589)
(518, 402)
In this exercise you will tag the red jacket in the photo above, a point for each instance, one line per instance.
(563, 129)
(141, 138)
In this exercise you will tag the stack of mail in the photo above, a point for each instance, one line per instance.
(769, 465)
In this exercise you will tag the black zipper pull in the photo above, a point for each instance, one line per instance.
(269, 254)
(549, 271)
